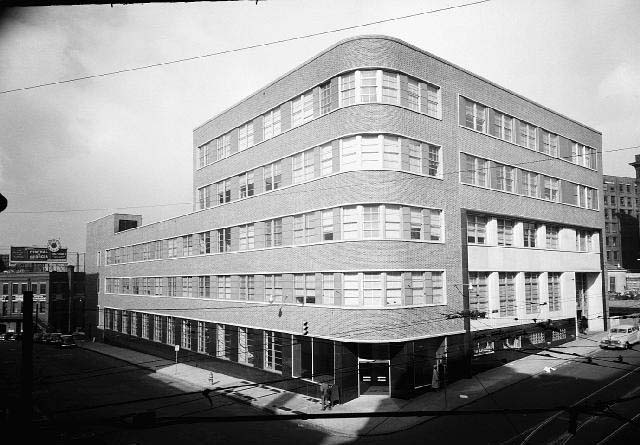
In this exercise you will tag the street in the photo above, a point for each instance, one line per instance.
(83, 396)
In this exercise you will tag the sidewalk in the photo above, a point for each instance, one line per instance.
(278, 401)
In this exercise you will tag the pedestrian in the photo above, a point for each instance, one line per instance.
(325, 395)
(335, 395)
(435, 378)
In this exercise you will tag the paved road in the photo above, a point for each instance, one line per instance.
(576, 382)
(84, 394)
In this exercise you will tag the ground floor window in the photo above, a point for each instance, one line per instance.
(220, 344)
(171, 339)
(312, 358)
(185, 338)
(272, 351)
(134, 323)
(157, 328)
(201, 337)
(145, 325)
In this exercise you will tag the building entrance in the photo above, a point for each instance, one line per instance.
(374, 377)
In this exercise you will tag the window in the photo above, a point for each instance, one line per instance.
(327, 225)
(187, 287)
(272, 351)
(552, 237)
(390, 87)
(185, 338)
(242, 345)
(145, 325)
(273, 288)
(372, 289)
(505, 232)
(368, 87)
(247, 288)
(245, 136)
(553, 279)
(203, 155)
(303, 168)
(348, 153)
(476, 229)
(371, 222)
(483, 348)
(433, 100)
(435, 224)
(273, 233)
(247, 239)
(349, 223)
(224, 239)
(415, 156)
(416, 230)
(475, 116)
(224, 191)
(204, 287)
(391, 152)
(434, 288)
(204, 197)
(351, 295)
(157, 328)
(224, 287)
(504, 177)
(305, 288)
(348, 89)
(328, 288)
(325, 98)
(246, 184)
(271, 124)
(393, 285)
(530, 184)
(326, 160)
(204, 240)
(302, 109)
(475, 171)
(221, 350)
(392, 222)
(434, 161)
(272, 176)
(201, 337)
(187, 245)
(531, 294)
(549, 143)
(370, 151)
(551, 189)
(413, 94)
(582, 240)
(528, 135)
(502, 126)
(507, 293)
(303, 228)
(223, 146)
(478, 292)
(170, 331)
(585, 156)
(529, 231)
(134, 323)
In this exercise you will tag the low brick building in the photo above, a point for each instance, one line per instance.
(373, 215)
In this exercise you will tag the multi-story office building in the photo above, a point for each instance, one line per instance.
(370, 216)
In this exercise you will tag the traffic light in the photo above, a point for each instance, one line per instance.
(305, 328)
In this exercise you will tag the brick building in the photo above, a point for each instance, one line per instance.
(372, 215)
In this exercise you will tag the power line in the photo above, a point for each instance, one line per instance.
(258, 45)
(102, 209)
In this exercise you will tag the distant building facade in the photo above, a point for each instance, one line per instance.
(370, 215)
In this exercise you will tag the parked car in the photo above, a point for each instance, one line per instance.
(52, 338)
(67, 341)
(8, 336)
(621, 337)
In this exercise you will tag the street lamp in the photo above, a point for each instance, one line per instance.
(70, 277)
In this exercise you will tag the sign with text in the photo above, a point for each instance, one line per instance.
(37, 255)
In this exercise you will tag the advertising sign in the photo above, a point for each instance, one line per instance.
(37, 255)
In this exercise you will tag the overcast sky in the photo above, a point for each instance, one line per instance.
(125, 140)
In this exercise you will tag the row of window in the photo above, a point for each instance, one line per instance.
(357, 222)
(356, 87)
(483, 347)
(491, 174)
(502, 299)
(372, 289)
(487, 120)
(14, 307)
(498, 231)
(629, 188)
(20, 288)
(624, 202)
(361, 152)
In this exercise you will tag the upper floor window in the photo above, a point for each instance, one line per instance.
(552, 237)
(529, 233)
(390, 88)
(585, 156)
(224, 239)
(502, 126)
(204, 197)
(273, 232)
(478, 291)
(413, 94)
(505, 232)
(224, 191)
(529, 184)
(204, 155)
(326, 160)
(303, 166)
(348, 89)
(223, 146)
(527, 136)
(505, 177)
(272, 176)
(549, 143)
(271, 123)
(551, 189)
(476, 229)
(245, 136)
(475, 116)
(246, 184)
(326, 96)
(246, 235)
(368, 86)
(475, 171)
(302, 109)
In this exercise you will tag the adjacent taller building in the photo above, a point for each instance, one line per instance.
(372, 215)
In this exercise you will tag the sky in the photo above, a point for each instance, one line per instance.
(73, 152)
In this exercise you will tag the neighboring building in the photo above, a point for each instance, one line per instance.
(621, 212)
(371, 215)
(50, 300)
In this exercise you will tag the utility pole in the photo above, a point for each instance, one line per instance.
(70, 277)
(27, 355)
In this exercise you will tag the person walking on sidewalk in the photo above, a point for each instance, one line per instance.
(325, 394)
(435, 378)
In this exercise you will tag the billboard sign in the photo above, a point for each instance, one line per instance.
(37, 255)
